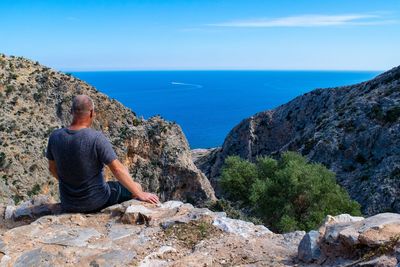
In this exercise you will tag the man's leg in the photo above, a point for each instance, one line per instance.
(125, 194)
(119, 193)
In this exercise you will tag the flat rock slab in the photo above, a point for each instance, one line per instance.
(113, 258)
(118, 231)
(35, 257)
(77, 237)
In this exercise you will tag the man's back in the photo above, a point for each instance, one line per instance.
(80, 156)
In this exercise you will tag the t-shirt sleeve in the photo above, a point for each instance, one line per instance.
(49, 153)
(104, 149)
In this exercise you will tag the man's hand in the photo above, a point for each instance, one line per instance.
(148, 197)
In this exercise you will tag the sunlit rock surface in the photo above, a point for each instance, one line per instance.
(170, 234)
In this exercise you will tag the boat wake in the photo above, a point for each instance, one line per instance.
(187, 84)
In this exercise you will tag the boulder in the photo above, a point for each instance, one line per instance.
(374, 240)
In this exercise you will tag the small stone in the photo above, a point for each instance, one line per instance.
(245, 229)
(171, 204)
(137, 215)
(342, 218)
(309, 250)
(9, 212)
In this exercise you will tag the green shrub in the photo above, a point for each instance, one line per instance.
(286, 194)
(136, 122)
(393, 114)
(236, 178)
(9, 89)
(13, 76)
(5, 179)
(2, 159)
(376, 113)
(34, 191)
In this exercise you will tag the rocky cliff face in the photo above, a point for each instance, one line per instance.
(34, 100)
(353, 130)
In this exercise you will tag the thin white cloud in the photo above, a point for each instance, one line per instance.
(308, 21)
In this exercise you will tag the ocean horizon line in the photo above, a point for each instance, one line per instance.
(220, 70)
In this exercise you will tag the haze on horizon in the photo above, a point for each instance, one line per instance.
(204, 34)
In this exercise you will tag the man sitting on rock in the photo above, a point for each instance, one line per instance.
(77, 155)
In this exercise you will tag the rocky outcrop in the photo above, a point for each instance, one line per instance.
(173, 233)
(353, 130)
(205, 159)
(34, 100)
(354, 241)
(140, 234)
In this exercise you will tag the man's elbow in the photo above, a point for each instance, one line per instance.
(53, 169)
(118, 171)
(116, 167)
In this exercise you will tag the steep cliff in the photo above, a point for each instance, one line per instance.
(353, 130)
(34, 100)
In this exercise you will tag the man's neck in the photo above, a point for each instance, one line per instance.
(77, 125)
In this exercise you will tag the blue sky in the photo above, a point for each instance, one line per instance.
(218, 34)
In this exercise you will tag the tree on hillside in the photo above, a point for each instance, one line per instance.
(286, 194)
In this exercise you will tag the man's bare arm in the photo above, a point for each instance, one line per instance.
(121, 173)
(53, 168)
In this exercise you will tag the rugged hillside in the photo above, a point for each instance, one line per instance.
(353, 130)
(34, 100)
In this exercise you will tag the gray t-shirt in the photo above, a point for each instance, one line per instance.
(80, 156)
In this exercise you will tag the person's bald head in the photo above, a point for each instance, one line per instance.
(82, 106)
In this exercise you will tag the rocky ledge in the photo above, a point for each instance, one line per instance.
(140, 234)
(34, 233)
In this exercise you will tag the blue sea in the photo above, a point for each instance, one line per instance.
(208, 104)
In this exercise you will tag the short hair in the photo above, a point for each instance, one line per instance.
(81, 105)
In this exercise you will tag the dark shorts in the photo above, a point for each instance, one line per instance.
(118, 195)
